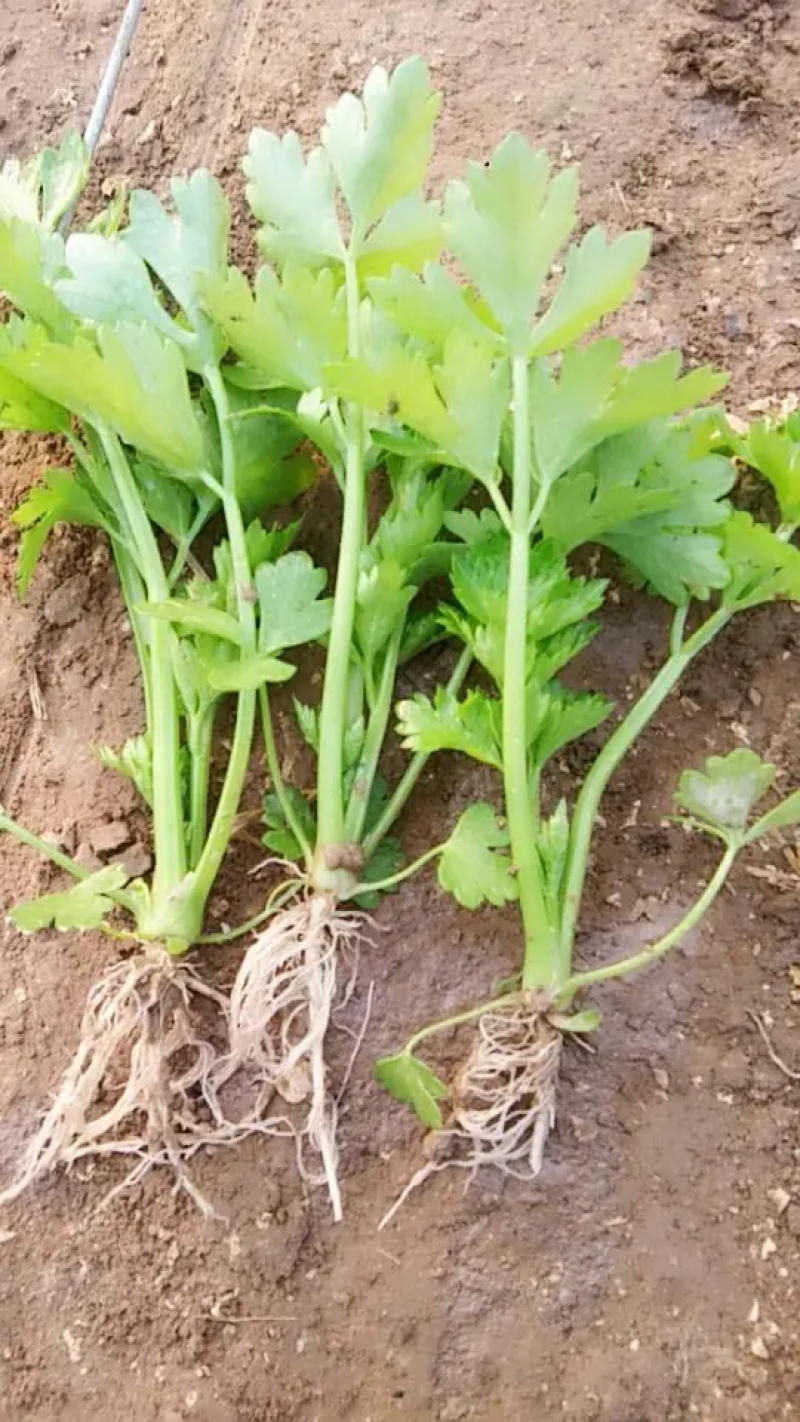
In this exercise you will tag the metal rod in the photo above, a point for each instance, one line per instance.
(113, 69)
(108, 85)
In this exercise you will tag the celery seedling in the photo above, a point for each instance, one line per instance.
(107, 346)
(591, 455)
(331, 223)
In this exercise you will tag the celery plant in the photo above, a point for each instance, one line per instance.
(330, 224)
(107, 346)
(590, 454)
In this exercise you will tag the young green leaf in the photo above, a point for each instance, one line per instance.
(60, 499)
(289, 603)
(724, 792)
(557, 716)
(23, 409)
(19, 190)
(42, 190)
(595, 397)
(408, 236)
(479, 578)
(30, 260)
(170, 504)
(134, 380)
(294, 199)
(412, 519)
(383, 597)
(196, 617)
(473, 867)
(654, 389)
(270, 469)
(761, 565)
(379, 146)
(290, 329)
(553, 847)
(108, 282)
(180, 247)
(476, 393)
(459, 405)
(266, 545)
(307, 718)
(63, 174)
(775, 453)
(134, 761)
(432, 306)
(505, 223)
(421, 631)
(85, 905)
(677, 564)
(249, 673)
(598, 277)
(279, 836)
(472, 725)
(409, 1080)
(471, 527)
(654, 499)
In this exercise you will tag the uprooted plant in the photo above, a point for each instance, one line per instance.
(591, 454)
(107, 346)
(330, 225)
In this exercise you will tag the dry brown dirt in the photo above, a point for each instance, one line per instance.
(653, 1274)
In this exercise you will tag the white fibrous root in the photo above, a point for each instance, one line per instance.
(141, 1082)
(504, 1095)
(280, 1010)
(503, 1100)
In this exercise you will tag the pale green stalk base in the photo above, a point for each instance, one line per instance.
(539, 964)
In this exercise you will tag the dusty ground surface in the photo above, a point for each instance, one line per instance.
(654, 1274)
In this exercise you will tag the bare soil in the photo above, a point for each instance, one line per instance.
(654, 1273)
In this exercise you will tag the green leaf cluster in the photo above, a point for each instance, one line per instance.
(447, 359)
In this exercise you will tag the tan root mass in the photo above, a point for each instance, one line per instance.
(503, 1100)
(136, 1081)
(280, 1011)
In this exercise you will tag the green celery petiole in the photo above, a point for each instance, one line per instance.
(539, 968)
(276, 777)
(199, 737)
(377, 725)
(168, 833)
(611, 756)
(623, 966)
(219, 834)
(333, 710)
(8, 825)
(405, 786)
(381, 885)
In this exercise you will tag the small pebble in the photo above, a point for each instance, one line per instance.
(780, 1198)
